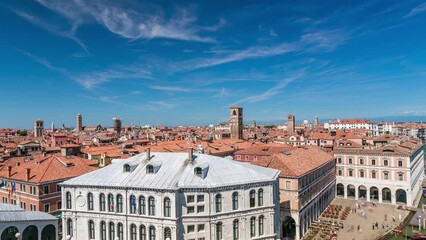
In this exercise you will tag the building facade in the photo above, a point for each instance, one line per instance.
(390, 173)
(173, 196)
(307, 187)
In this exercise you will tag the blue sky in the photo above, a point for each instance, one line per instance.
(178, 63)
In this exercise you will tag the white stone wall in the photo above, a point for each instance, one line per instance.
(179, 220)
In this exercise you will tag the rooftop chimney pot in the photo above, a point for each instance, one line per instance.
(28, 174)
(191, 154)
(148, 153)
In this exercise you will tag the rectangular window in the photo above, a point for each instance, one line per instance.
(22, 186)
(190, 199)
(191, 228)
(58, 188)
(190, 209)
(287, 185)
(255, 158)
(47, 207)
(238, 157)
(46, 189)
(386, 176)
(200, 198)
(373, 162)
(400, 177)
(200, 227)
(247, 157)
(400, 163)
(200, 209)
(58, 205)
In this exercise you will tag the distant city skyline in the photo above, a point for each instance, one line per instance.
(185, 64)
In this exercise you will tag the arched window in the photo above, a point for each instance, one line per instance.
(351, 172)
(126, 168)
(132, 203)
(102, 202)
(252, 198)
(235, 201)
(110, 202)
(91, 229)
(68, 199)
(89, 201)
(400, 176)
(149, 169)
(69, 227)
(219, 231)
(103, 231)
(133, 234)
(142, 205)
(167, 233)
(151, 233)
(236, 230)
(361, 173)
(120, 231)
(261, 229)
(339, 160)
(142, 232)
(252, 227)
(119, 203)
(260, 197)
(151, 206)
(167, 207)
(111, 230)
(218, 201)
(339, 172)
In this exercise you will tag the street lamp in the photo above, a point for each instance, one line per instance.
(17, 235)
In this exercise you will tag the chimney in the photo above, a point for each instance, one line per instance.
(190, 154)
(28, 174)
(9, 170)
(148, 153)
(44, 154)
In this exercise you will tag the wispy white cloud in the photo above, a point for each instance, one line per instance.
(170, 88)
(272, 33)
(270, 92)
(249, 53)
(222, 93)
(163, 104)
(44, 62)
(148, 23)
(136, 92)
(324, 39)
(417, 10)
(93, 79)
(53, 29)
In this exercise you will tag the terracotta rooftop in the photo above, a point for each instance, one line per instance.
(297, 161)
(46, 169)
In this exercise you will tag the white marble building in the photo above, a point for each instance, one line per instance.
(173, 196)
(391, 173)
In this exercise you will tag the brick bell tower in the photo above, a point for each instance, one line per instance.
(236, 120)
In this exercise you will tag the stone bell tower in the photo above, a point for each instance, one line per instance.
(236, 121)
